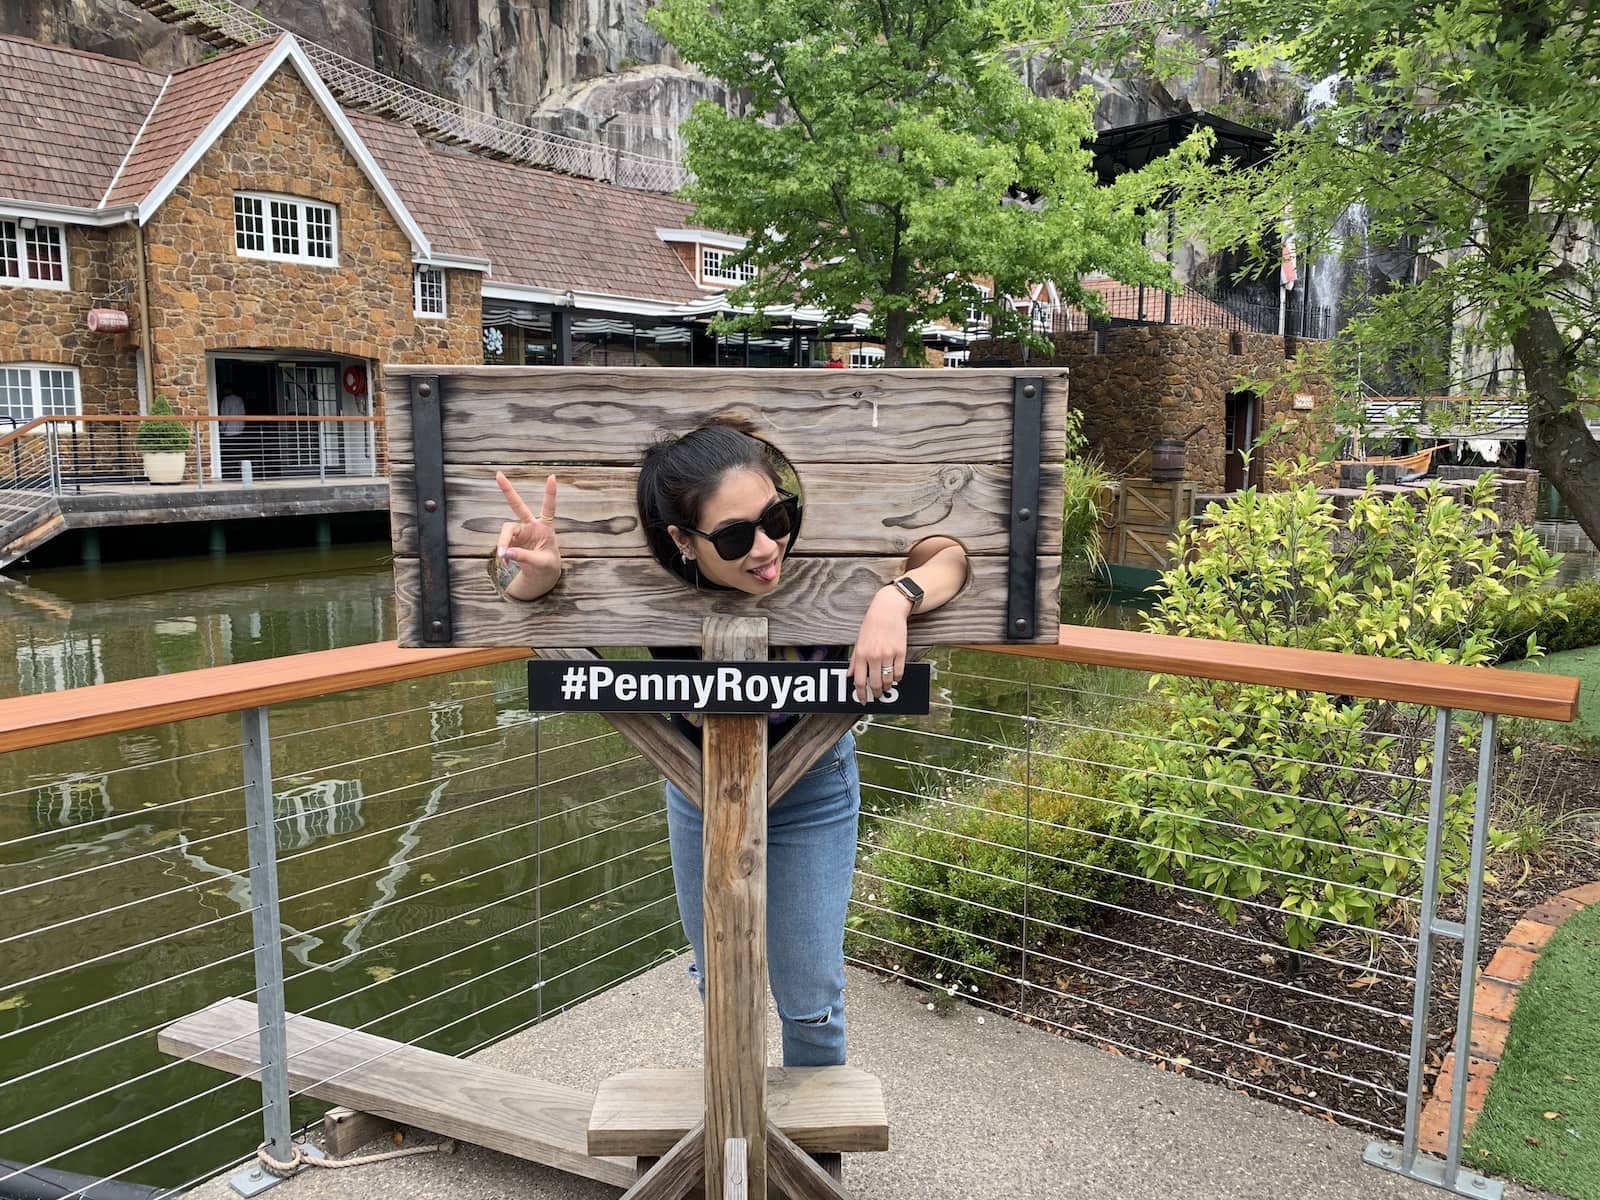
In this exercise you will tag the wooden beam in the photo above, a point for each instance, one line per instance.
(676, 1173)
(505, 1111)
(797, 1173)
(674, 755)
(344, 1131)
(847, 511)
(619, 602)
(734, 803)
(1446, 685)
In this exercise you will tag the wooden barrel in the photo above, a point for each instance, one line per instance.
(1166, 460)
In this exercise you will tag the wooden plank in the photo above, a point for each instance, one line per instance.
(677, 1173)
(43, 720)
(822, 1109)
(734, 804)
(800, 1176)
(611, 602)
(886, 510)
(563, 415)
(1446, 685)
(344, 1131)
(674, 755)
(735, 1168)
(508, 1112)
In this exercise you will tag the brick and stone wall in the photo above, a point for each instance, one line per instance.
(205, 297)
(46, 325)
(1135, 384)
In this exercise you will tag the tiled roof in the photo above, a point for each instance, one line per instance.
(66, 121)
(193, 97)
(556, 231)
(422, 185)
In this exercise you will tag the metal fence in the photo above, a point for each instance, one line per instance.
(437, 865)
(1197, 307)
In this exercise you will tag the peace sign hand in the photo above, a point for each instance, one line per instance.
(530, 542)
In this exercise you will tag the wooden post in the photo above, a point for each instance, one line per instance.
(734, 801)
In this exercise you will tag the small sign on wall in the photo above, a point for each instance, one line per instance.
(1304, 401)
(693, 686)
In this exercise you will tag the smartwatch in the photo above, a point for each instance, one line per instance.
(909, 589)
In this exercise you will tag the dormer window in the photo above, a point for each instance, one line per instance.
(427, 292)
(285, 228)
(717, 266)
(32, 254)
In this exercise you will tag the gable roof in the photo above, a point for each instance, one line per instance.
(70, 118)
(410, 167)
(559, 231)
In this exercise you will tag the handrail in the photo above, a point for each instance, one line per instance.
(1444, 685)
(27, 722)
(181, 418)
(8, 438)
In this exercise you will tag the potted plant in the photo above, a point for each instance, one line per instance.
(164, 443)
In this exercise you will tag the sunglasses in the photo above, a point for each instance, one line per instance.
(733, 540)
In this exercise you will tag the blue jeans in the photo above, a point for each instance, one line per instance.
(811, 856)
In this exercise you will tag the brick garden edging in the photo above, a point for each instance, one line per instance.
(1492, 1004)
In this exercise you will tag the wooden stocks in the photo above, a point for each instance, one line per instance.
(734, 804)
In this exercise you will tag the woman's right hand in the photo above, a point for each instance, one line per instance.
(530, 542)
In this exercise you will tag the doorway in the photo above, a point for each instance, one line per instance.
(287, 385)
(1241, 466)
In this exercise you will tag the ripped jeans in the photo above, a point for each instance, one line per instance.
(811, 856)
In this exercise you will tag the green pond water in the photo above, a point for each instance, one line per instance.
(451, 870)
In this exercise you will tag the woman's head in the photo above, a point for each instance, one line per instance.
(699, 495)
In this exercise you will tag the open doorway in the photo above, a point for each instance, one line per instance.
(1241, 466)
(284, 384)
(244, 387)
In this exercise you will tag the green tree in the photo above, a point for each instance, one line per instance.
(890, 155)
(1470, 131)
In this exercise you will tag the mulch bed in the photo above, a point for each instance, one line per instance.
(1331, 1038)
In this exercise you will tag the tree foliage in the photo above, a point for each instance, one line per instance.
(1469, 130)
(1308, 803)
(890, 155)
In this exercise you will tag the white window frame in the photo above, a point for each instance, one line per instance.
(417, 307)
(712, 270)
(864, 357)
(298, 205)
(976, 316)
(956, 358)
(36, 393)
(24, 276)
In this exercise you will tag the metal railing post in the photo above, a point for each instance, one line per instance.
(199, 458)
(277, 1140)
(52, 458)
(322, 455)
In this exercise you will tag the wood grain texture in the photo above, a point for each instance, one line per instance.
(612, 602)
(674, 755)
(27, 721)
(677, 1174)
(849, 508)
(507, 1112)
(800, 1177)
(734, 808)
(735, 1165)
(1446, 685)
(822, 1109)
(561, 415)
(344, 1131)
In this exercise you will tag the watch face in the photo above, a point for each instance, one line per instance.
(912, 592)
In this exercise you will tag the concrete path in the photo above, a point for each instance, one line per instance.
(976, 1111)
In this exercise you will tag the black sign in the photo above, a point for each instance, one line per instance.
(689, 685)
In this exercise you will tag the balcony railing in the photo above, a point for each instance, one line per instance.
(439, 863)
(1204, 308)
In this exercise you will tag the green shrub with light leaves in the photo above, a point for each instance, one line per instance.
(1316, 804)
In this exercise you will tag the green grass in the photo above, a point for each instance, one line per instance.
(1585, 664)
(1541, 1119)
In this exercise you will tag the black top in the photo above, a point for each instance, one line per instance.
(778, 724)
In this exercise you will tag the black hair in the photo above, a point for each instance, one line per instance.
(679, 474)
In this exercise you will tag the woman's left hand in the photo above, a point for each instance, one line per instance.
(879, 658)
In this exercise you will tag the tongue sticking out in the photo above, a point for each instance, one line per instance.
(767, 573)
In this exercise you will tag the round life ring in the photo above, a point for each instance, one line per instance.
(355, 380)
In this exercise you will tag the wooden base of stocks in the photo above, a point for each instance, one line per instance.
(737, 1148)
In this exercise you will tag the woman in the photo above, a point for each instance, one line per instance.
(715, 514)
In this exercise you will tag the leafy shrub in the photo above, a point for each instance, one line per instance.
(158, 436)
(1570, 622)
(1305, 801)
(954, 872)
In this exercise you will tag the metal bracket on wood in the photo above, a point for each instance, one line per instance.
(1022, 572)
(433, 553)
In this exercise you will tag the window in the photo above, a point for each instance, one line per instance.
(32, 254)
(28, 391)
(713, 266)
(284, 228)
(427, 292)
(956, 358)
(975, 312)
(867, 356)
